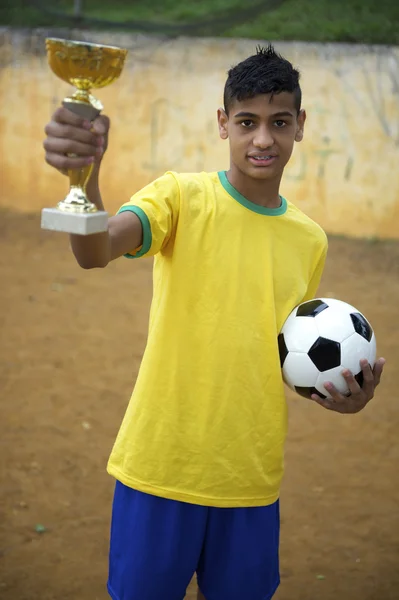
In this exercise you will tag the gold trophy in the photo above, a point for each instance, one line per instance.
(85, 66)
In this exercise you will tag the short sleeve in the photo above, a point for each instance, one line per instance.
(317, 274)
(157, 206)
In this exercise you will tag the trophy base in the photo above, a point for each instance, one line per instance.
(55, 219)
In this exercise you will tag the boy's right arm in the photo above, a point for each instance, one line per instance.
(69, 134)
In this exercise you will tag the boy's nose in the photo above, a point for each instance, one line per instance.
(263, 138)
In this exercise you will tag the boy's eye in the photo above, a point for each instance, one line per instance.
(247, 123)
(280, 123)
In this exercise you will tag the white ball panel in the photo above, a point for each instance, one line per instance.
(335, 323)
(299, 370)
(339, 305)
(335, 376)
(300, 333)
(373, 351)
(353, 350)
(288, 322)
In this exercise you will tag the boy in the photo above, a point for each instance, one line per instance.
(199, 456)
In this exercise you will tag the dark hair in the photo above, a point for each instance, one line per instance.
(266, 72)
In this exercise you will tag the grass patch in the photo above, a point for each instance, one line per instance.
(356, 21)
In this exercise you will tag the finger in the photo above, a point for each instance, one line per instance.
(63, 163)
(336, 396)
(70, 132)
(62, 146)
(328, 403)
(67, 117)
(100, 126)
(377, 371)
(353, 385)
(368, 378)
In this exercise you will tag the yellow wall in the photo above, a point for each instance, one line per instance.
(345, 174)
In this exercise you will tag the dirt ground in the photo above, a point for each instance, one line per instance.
(71, 343)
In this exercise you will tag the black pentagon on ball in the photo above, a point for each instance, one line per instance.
(307, 392)
(362, 327)
(282, 348)
(325, 354)
(311, 308)
(360, 378)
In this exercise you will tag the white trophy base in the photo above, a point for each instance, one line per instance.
(77, 223)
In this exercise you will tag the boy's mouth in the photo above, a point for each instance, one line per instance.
(262, 160)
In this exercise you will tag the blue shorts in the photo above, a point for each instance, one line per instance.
(157, 545)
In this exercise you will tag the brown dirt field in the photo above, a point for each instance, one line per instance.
(71, 343)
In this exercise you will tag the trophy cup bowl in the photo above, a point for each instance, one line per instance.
(85, 66)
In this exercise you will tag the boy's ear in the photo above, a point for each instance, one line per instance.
(223, 124)
(300, 125)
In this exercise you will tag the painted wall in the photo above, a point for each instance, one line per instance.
(345, 174)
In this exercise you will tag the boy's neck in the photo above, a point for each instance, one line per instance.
(263, 192)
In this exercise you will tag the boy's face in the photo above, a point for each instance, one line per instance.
(262, 131)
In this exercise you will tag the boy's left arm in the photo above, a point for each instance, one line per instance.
(359, 396)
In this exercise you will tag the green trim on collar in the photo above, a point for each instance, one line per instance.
(262, 210)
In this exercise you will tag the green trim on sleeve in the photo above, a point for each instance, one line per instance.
(147, 235)
(261, 210)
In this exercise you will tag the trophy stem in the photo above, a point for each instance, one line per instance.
(83, 104)
(81, 95)
(77, 200)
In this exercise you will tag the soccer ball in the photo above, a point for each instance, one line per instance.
(319, 339)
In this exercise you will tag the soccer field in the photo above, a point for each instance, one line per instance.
(71, 345)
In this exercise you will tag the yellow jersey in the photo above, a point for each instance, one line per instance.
(207, 419)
